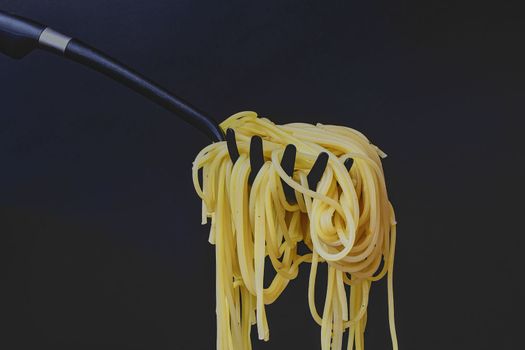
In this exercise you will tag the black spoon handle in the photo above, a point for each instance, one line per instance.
(20, 36)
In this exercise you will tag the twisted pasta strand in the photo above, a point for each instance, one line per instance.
(347, 222)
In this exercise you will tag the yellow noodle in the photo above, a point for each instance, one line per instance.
(346, 222)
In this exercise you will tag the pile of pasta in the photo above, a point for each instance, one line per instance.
(347, 222)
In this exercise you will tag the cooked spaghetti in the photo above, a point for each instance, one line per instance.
(347, 222)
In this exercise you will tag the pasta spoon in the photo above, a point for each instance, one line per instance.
(20, 36)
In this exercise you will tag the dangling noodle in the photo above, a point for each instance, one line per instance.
(346, 222)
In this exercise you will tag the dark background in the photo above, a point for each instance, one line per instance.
(100, 242)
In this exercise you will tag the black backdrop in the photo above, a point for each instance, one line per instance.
(101, 245)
